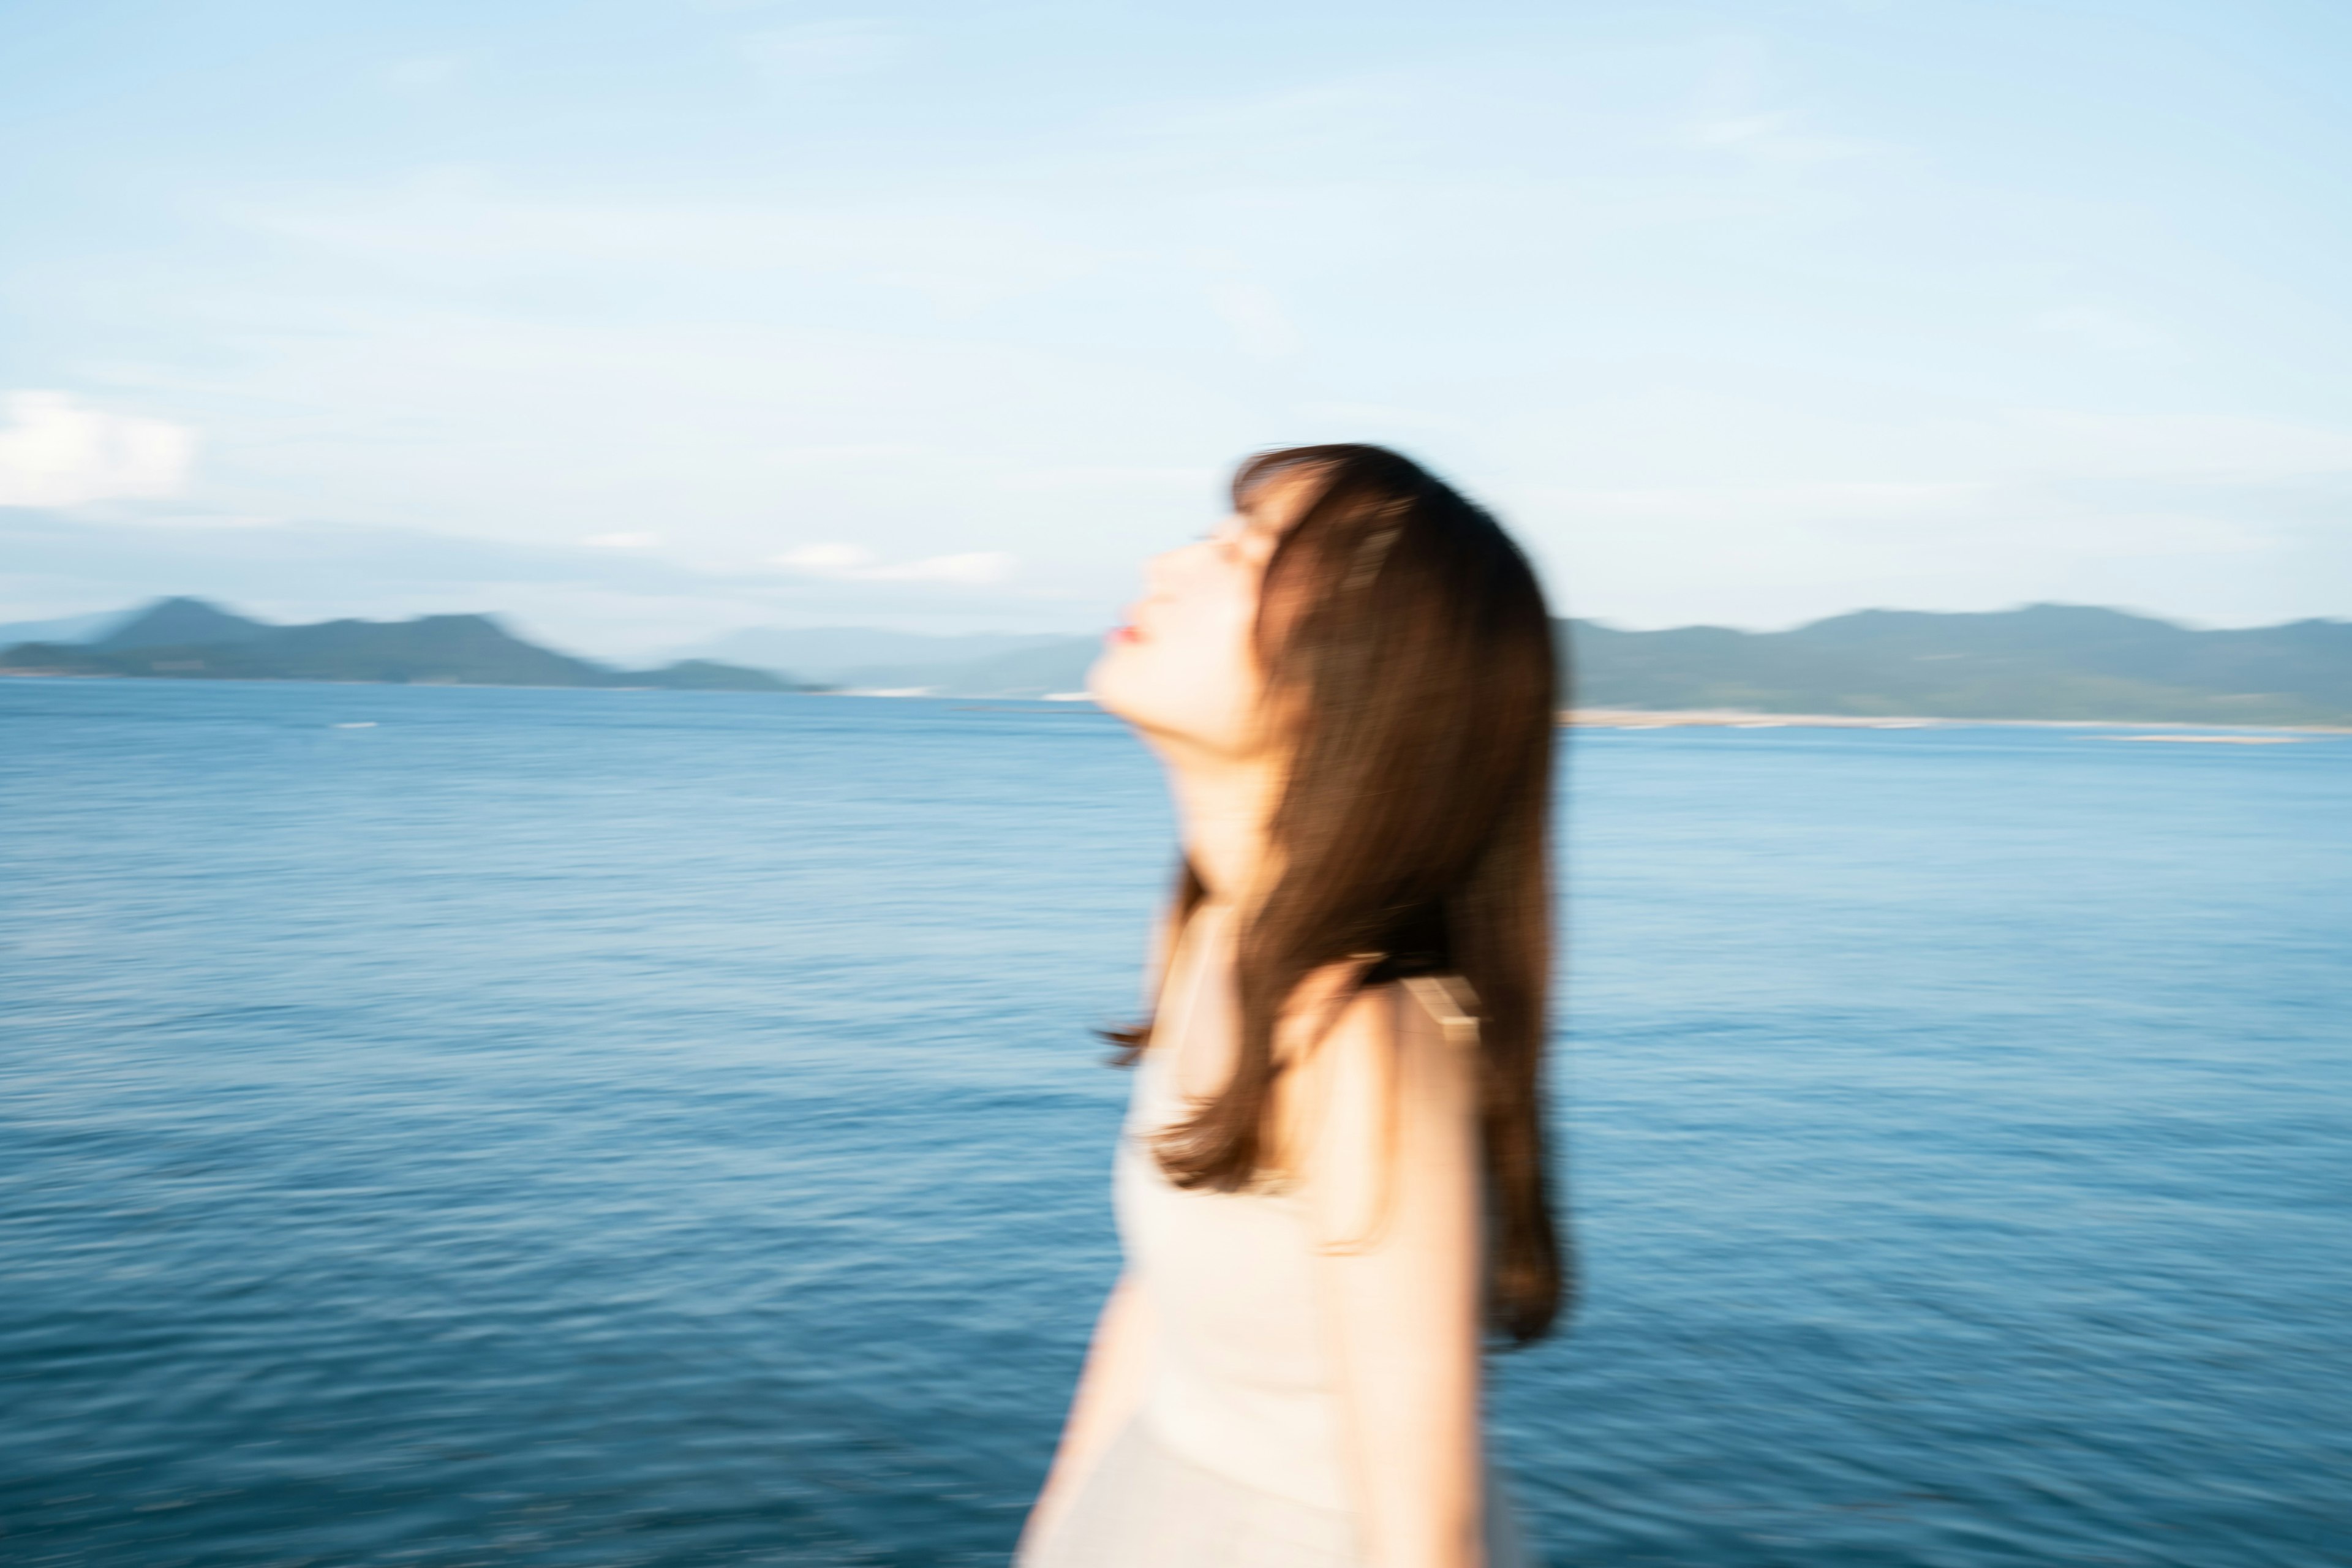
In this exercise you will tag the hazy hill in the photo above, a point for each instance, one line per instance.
(465, 650)
(181, 623)
(1053, 664)
(2046, 661)
(63, 630)
(708, 675)
(848, 655)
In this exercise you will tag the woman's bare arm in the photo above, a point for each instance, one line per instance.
(1386, 1153)
(1118, 1360)
(1118, 1366)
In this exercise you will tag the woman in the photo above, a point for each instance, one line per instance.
(1331, 1186)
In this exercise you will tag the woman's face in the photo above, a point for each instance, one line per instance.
(1184, 666)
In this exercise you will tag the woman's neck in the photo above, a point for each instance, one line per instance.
(1223, 806)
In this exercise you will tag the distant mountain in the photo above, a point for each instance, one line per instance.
(2045, 661)
(181, 623)
(462, 650)
(859, 658)
(64, 629)
(842, 654)
(1057, 665)
(707, 675)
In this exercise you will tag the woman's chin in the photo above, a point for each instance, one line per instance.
(1103, 682)
(1126, 687)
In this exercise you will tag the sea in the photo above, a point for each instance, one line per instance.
(449, 1126)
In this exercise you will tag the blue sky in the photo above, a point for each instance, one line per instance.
(641, 321)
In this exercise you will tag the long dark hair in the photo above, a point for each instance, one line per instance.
(1407, 634)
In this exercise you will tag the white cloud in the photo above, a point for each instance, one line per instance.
(976, 568)
(1778, 372)
(851, 561)
(57, 452)
(623, 541)
(824, 559)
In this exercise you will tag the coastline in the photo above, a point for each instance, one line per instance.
(1740, 719)
(2131, 729)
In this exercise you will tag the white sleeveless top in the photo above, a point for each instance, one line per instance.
(1241, 1386)
(1233, 1459)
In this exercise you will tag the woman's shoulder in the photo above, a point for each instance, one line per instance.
(1351, 1006)
(1376, 1049)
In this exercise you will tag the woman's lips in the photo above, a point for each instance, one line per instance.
(1123, 633)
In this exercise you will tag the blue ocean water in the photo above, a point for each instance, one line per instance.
(602, 1128)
